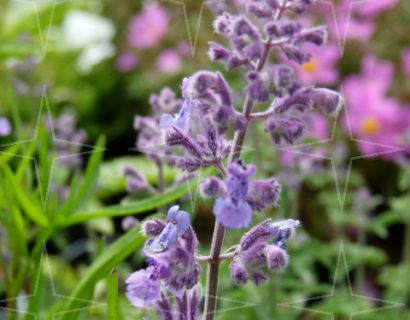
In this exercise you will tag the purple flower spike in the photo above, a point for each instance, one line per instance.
(143, 287)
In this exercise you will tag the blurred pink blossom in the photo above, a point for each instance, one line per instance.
(321, 69)
(405, 60)
(374, 8)
(372, 116)
(169, 61)
(148, 27)
(127, 61)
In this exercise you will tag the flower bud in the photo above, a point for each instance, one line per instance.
(239, 274)
(212, 187)
(276, 258)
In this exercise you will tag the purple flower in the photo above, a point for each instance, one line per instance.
(5, 127)
(143, 287)
(127, 61)
(178, 223)
(256, 252)
(285, 130)
(234, 211)
(147, 28)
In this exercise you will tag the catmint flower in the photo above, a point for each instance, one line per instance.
(172, 265)
(233, 211)
(178, 222)
(237, 197)
(262, 247)
(199, 126)
(143, 287)
(5, 127)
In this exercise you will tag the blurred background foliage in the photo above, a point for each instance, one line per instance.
(65, 57)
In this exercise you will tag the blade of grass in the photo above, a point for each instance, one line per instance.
(32, 210)
(111, 257)
(134, 207)
(112, 296)
(78, 196)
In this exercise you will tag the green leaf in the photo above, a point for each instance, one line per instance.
(133, 207)
(111, 257)
(79, 196)
(33, 211)
(112, 295)
(8, 154)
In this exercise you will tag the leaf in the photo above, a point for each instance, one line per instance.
(111, 257)
(33, 211)
(8, 154)
(133, 207)
(78, 196)
(112, 295)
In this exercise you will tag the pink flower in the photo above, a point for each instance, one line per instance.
(127, 61)
(373, 117)
(169, 61)
(374, 8)
(405, 60)
(321, 69)
(147, 28)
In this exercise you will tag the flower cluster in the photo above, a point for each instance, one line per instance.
(237, 197)
(262, 247)
(200, 125)
(196, 132)
(172, 266)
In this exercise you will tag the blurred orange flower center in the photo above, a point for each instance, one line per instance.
(310, 66)
(370, 125)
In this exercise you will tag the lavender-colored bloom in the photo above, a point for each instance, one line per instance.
(328, 101)
(234, 211)
(178, 223)
(5, 127)
(143, 287)
(256, 251)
